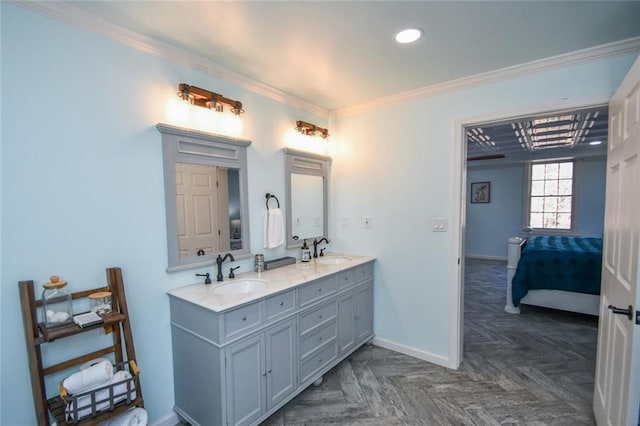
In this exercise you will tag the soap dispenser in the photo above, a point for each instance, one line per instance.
(306, 252)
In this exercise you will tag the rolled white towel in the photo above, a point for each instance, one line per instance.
(102, 396)
(134, 417)
(89, 378)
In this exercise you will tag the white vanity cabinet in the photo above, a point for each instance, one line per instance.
(236, 364)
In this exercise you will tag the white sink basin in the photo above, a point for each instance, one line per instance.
(332, 260)
(240, 287)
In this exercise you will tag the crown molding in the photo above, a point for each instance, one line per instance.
(585, 55)
(66, 12)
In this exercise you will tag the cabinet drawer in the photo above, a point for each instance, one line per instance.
(318, 316)
(280, 304)
(318, 338)
(242, 319)
(346, 279)
(364, 272)
(316, 290)
(318, 360)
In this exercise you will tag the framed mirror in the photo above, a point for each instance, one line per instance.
(205, 187)
(306, 189)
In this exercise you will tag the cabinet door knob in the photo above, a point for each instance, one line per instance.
(281, 303)
(264, 374)
(244, 318)
(320, 289)
(320, 338)
(269, 371)
(320, 316)
(320, 360)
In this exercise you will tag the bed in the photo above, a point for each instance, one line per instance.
(556, 272)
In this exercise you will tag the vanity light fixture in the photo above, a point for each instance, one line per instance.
(207, 99)
(310, 129)
(408, 35)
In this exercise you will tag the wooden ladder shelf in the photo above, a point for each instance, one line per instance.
(37, 334)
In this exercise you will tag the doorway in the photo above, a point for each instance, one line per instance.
(462, 204)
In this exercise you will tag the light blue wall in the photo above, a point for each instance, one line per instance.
(489, 225)
(83, 186)
(395, 163)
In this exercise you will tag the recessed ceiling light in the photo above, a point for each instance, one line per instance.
(409, 35)
(595, 142)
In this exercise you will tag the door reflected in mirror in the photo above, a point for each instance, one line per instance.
(207, 209)
(307, 205)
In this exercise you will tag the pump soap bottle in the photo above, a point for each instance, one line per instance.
(306, 252)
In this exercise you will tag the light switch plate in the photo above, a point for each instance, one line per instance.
(439, 224)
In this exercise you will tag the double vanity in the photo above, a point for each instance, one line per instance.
(245, 347)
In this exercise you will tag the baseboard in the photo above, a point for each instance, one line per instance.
(484, 257)
(168, 420)
(413, 352)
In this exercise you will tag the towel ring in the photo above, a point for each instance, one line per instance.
(268, 196)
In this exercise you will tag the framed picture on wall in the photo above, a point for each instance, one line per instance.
(480, 192)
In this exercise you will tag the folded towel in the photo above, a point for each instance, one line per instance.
(134, 417)
(102, 397)
(88, 378)
(273, 228)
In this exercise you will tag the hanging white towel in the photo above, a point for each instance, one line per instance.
(273, 228)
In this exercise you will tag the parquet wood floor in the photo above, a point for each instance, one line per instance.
(536, 368)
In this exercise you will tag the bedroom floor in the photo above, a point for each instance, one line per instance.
(536, 368)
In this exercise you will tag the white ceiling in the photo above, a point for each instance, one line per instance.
(337, 54)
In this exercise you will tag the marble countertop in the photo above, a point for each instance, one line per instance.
(279, 279)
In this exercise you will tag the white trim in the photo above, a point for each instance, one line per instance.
(168, 420)
(458, 204)
(413, 352)
(485, 257)
(70, 14)
(589, 54)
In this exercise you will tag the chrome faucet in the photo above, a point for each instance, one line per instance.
(219, 261)
(315, 245)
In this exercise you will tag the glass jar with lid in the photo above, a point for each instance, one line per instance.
(56, 303)
(101, 302)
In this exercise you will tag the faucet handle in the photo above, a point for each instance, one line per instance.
(322, 251)
(207, 280)
(231, 274)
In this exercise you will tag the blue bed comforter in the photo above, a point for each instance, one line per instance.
(558, 263)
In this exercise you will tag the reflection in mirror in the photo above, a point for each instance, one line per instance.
(205, 196)
(207, 209)
(307, 205)
(306, 183)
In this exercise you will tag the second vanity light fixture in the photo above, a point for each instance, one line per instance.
(310, 129)
(208, 99)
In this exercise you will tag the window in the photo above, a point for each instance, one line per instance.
(551, 196)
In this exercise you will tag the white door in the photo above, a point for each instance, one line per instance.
(196, 208)
(617, 381)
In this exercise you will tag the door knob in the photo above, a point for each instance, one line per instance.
(621, 311)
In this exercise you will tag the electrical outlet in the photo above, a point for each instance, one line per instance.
(366, 222)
